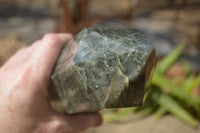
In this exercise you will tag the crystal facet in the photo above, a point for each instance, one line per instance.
(102, 68)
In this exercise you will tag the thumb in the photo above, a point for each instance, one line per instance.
(75, 122)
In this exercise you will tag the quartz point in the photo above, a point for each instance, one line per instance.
(102, 68)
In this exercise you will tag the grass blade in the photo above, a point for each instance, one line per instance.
(192, 84)
(160, 112)
(170, 59)
(163, 82)
(173, 107)
(187, 67)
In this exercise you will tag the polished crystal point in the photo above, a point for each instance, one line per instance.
(102, 68)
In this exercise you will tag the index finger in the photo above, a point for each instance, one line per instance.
(46, 54)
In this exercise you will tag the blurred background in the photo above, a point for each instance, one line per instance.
(173, 99)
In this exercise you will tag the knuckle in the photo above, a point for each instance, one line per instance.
(21, 79)
(51, 39)
(25, 74)
(29, 70)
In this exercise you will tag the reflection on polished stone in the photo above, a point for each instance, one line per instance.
(103, 68)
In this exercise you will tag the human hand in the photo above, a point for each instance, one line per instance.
(24, 98)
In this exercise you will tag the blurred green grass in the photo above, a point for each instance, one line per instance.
(164, 96)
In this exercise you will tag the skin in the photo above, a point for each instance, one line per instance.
(25, 104)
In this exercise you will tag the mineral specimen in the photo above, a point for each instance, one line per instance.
(102, 68)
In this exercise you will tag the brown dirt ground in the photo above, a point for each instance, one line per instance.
(8, 46)
(137, 124)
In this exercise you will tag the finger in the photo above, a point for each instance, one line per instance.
(79, 122)
(15, 65)
(82, 121)
(21, 56)
(47, 52)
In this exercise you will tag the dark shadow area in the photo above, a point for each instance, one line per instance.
(11, 10)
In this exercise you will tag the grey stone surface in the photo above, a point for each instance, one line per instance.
(103, 68)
